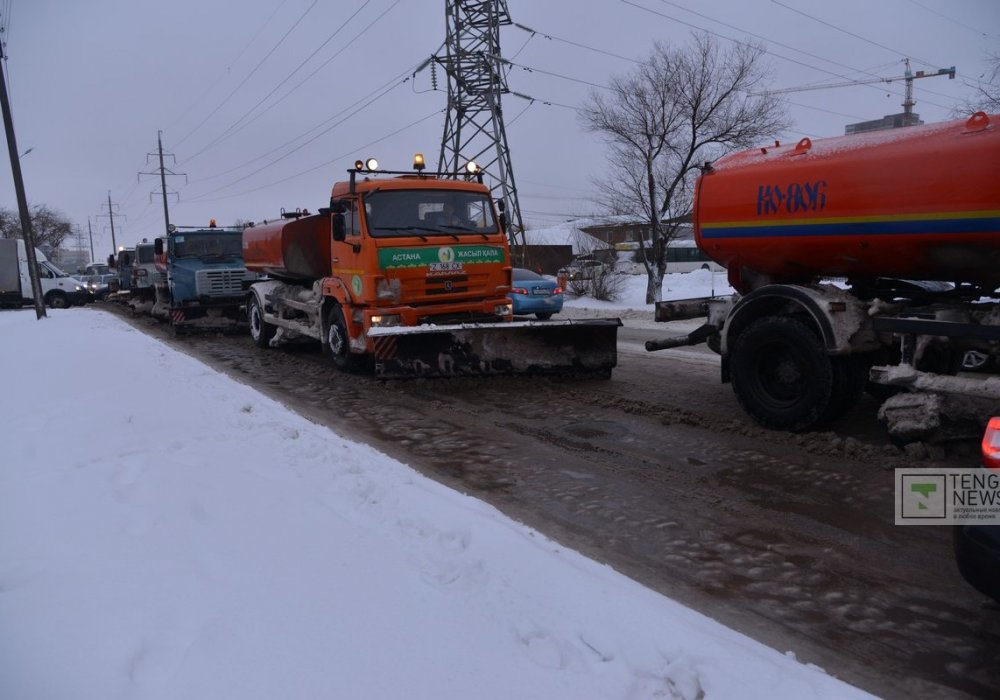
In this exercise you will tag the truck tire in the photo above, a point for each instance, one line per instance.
(337, 343)
(57, 300)
(781, 374)
(260, 330)
(850, 376)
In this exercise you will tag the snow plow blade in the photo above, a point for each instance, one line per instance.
(584, 347)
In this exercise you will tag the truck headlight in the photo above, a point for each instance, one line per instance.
(503, 309)
(384, 320)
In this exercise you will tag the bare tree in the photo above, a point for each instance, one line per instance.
(987, 97)
(50, 226)
(679, 108)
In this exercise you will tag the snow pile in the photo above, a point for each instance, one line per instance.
(166, 532)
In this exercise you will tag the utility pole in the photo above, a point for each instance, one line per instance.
(111, 215)
(90, 232)
(474, 128)
(163, 179)
(22, 199)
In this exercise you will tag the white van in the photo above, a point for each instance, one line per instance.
(58, 289)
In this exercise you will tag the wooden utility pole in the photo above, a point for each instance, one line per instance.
(111, 216)
(163, 179)
(22, 199)
(90, 231)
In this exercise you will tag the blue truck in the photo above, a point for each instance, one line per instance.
(201, 278)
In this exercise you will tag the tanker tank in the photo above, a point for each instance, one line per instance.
(296, 249)
(918, 203)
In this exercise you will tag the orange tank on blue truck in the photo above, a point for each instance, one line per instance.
(864, 258)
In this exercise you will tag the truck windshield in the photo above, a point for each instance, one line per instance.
(144, 254)
(428, 212)
(211, 245)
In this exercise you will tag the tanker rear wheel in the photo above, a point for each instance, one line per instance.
(260, 330)
(850, 375)
(781, 374)
(337, 343)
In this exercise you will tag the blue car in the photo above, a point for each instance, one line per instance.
(977, 547)
(532, 293)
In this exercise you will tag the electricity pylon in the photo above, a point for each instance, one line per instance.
(474, 128)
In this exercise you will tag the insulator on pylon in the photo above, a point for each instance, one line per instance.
(434, 76)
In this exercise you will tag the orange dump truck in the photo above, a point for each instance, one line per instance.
(865, 257)
(408, 273)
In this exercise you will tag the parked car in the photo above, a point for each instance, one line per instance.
(532, 293)
(977, 547)
(584, 269)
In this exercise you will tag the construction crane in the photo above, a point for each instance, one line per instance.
(909, 76)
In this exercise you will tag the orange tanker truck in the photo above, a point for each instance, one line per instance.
(865, 258)
(408, 273)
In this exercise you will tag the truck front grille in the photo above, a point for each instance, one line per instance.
(219, 283)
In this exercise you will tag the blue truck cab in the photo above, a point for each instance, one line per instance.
(201, 278)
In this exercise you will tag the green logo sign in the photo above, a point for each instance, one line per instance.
(356, 285)
(389, 258)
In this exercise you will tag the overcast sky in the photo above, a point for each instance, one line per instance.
(237, 87)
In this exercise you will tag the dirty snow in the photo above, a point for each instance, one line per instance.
(166, 532)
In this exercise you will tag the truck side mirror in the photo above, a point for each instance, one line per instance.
(158, 246)
(339, 228)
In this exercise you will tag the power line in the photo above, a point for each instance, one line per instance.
(849, 33)
(395, 81)
(552, 37)
(250, 74)
(219, 79)
(980, 32)
(232, 129)
(766, 39)
(743, 43)
(302, 145)
(353, 151)
(531, 69)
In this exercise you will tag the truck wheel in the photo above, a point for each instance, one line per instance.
(850, 375)
(260, 330)
(57, 300)
(781, 374)
(337, 343)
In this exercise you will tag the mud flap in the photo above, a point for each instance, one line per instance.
(588, 347)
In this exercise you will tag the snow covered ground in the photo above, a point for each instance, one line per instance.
(166, 532)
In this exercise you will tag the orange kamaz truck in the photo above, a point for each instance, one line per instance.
(870, 260)
(407, 273)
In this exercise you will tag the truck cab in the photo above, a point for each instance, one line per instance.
(413, 250)
(408, 273)
(59, 290)
(199, 273)
(144, 270)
